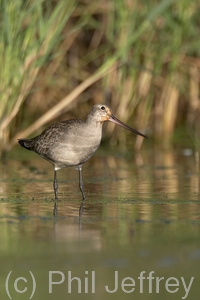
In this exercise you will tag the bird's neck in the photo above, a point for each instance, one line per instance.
(92, 122)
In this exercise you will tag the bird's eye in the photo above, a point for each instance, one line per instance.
(103, 108)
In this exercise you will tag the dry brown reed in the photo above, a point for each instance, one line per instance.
(155, 90)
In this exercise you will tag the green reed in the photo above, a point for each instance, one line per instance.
(55, 53)
(30, 31)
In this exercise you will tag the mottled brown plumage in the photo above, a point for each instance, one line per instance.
(72, 142)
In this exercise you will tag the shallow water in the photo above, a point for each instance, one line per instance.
(141, 215)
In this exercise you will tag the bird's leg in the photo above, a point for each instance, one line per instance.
(55, 185)
(81, 214)
(81, 181)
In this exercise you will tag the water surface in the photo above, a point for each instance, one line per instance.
(141, 215)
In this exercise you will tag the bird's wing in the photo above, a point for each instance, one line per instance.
(42, 143)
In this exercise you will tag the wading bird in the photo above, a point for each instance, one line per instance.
(71, 143)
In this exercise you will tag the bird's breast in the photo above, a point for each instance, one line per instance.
(76, 147)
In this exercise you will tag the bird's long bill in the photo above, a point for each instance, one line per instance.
(113, 119)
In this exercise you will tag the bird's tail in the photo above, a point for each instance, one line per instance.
(25, 143)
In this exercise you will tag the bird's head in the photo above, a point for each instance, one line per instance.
(102, 113)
